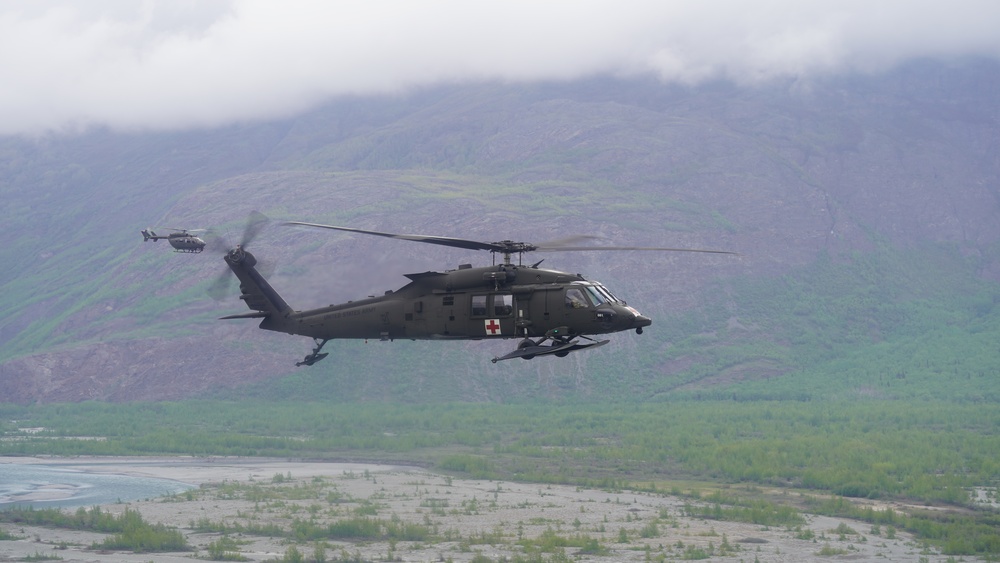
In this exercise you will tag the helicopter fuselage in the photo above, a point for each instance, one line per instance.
(501, 301)
(552, 312)
(474, 303)
(186, 243)
(181, 241)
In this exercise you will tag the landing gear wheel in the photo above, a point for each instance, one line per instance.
(315, 356)
(526, 343)
(562, 354)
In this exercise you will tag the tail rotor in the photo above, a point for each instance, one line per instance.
(221, 287)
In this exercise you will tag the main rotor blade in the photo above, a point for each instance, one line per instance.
(443, 241)
(568, 241)
(557, 248)
(506, 246)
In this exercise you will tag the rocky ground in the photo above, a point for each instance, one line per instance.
(449, 519)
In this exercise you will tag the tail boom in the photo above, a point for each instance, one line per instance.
(259, 296)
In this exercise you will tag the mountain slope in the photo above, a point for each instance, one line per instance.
(887, 184)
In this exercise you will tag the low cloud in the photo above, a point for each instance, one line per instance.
(171, 64)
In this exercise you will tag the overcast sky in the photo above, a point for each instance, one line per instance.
(172, 64)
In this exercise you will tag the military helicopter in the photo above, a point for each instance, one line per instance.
(181, 239)
(551, 312)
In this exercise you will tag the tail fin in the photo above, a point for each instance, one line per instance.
(256, 292)
(148, 234)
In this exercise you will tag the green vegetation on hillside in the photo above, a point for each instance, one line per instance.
(884, 324)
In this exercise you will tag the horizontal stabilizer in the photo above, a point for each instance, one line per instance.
(251, 315)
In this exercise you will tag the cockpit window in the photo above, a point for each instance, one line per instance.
(611, 296)
(596, 296)
(575, 298)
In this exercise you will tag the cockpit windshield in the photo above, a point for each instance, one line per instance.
(596, 296)
(600, 294)
(596, 293)
(611, 296)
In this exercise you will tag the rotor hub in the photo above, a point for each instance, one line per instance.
(240, 256)
(509, 248)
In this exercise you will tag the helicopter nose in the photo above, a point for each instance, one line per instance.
(638, 320)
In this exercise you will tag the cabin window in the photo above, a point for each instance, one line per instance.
(575, 298)
(479, 305)
(503, 305)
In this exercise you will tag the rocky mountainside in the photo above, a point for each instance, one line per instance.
(864, 208)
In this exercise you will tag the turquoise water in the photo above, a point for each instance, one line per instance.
(43, 486)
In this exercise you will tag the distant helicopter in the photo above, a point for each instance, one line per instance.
(181, 239)
(551, 312)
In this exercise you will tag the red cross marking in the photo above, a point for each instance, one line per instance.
(493, 327)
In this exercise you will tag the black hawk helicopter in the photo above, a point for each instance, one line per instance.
(551, 312)
(181, 239)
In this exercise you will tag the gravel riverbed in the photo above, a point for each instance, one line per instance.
(453, 519)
